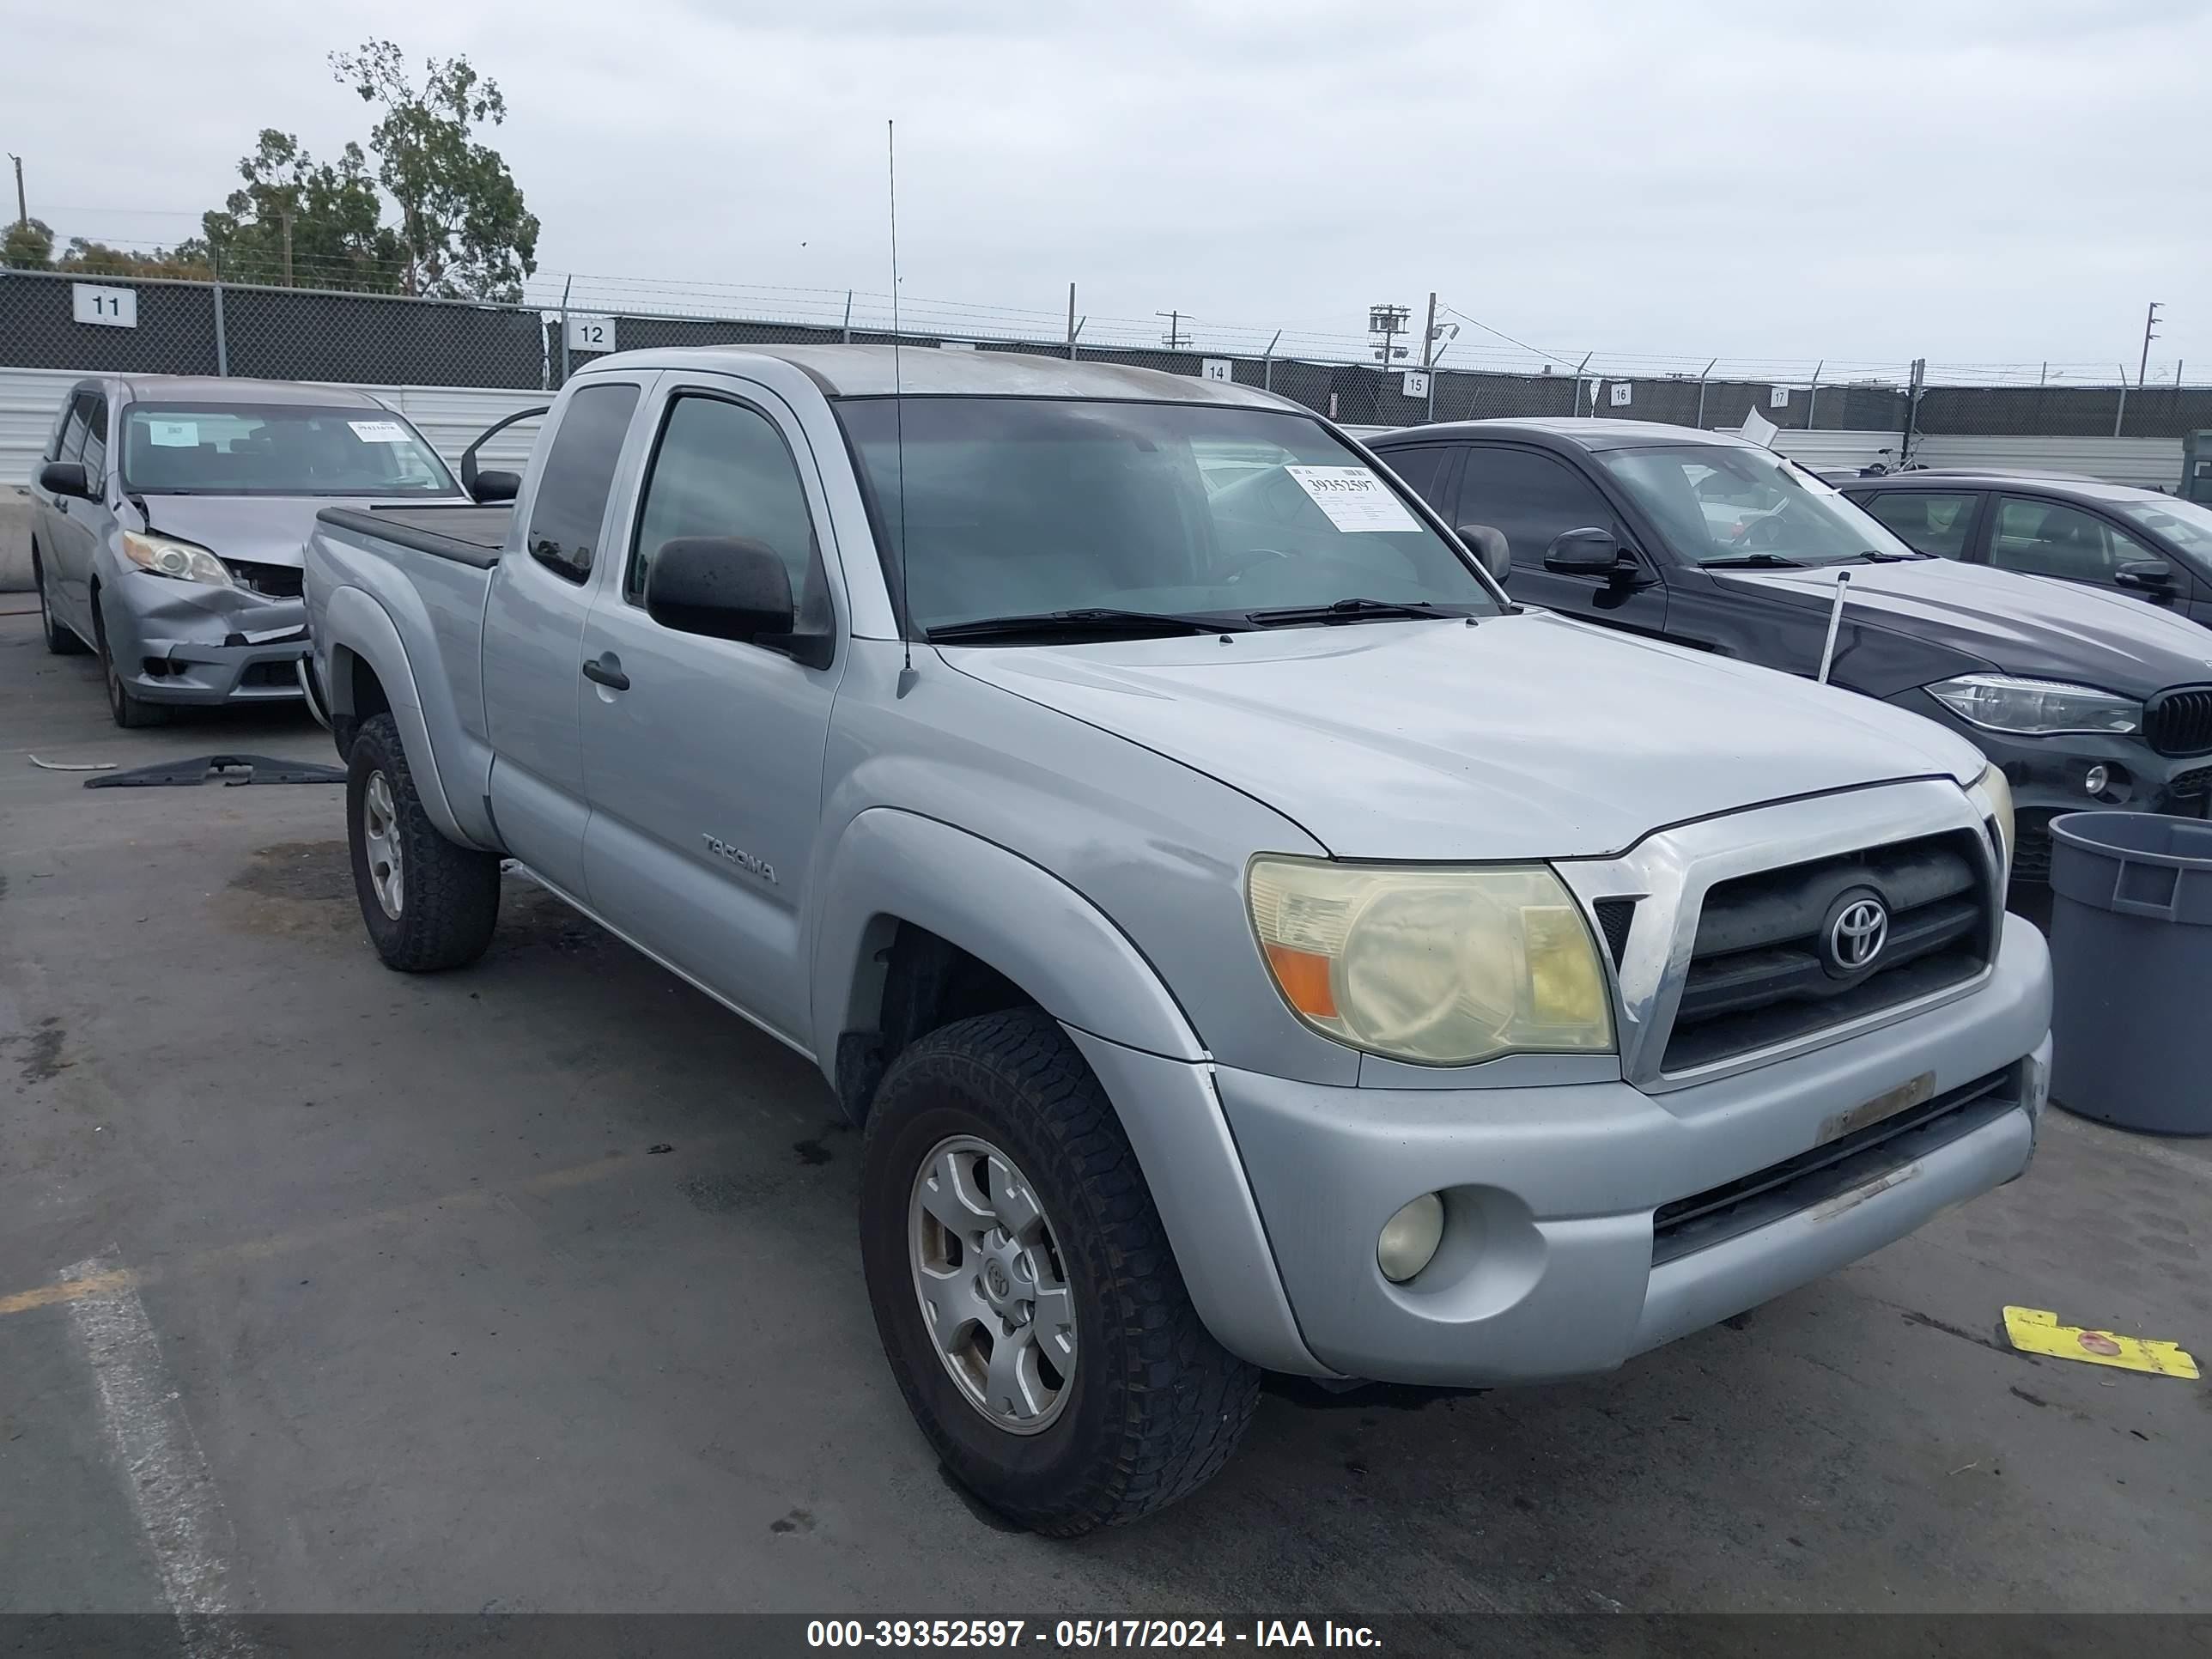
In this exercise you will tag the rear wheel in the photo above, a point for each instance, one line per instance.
(130, 710)
(428, 903)
(1025, 1288)
(59, 640)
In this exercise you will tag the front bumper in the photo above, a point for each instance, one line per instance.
(186, 643)
(1548, 1267)
(2048, 776)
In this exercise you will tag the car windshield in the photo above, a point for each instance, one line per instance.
(2187, 524)
(277, 449)
(1723, 503)
(1033, 508)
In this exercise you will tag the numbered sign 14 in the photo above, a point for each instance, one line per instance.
(107, 308)
(1216, 368)
(591, 333)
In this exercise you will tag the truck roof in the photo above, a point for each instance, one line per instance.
(210, 389)
(865, 371)
(1584, 434)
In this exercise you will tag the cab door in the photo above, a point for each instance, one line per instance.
(703, 756)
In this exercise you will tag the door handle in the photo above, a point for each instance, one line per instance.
(606, 671)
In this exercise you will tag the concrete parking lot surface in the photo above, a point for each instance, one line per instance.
(534, 1286)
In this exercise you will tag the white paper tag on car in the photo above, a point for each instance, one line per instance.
(174, 434)
(378, 432)
(1354, 497)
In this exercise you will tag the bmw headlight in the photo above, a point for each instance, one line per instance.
(167, 556)
(1438, 966)
(1999, 703)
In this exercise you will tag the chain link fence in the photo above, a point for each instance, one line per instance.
(55, 320)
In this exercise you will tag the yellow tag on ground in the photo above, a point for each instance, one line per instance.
(2034, 1331)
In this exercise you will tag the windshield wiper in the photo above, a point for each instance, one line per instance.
(1342, 610)
(1092, 620)
(1752, 561)
(1875, 556)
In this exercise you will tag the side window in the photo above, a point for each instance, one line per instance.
(572, 492)
(2050, 538)
(69, 442)
(1927, 520)
(1422, 467)
(1531, 497)
(722, 469)
(95, 446)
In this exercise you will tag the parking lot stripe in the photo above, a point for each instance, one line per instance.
(143, 1419)
(90, 1279)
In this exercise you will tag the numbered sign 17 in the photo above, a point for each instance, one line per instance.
(106, 307)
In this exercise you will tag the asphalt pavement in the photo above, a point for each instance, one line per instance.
(534, 1287)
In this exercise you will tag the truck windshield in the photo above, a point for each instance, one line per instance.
(1728, 503)
(277, 449)
(1029, 507)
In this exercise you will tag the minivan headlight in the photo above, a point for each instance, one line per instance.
(1438, 966)
(165, 555)
(2001, 703)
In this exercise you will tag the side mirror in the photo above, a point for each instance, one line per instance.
(722, 587)
(496, 484)
(65, 478)
(1489, 544)
(2155, 573)
(1587, 552)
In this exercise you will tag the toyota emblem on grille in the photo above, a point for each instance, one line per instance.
(1858, 932)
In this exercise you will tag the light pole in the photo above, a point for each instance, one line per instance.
(2149, 317)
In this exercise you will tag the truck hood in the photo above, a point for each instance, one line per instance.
(1527, 736)
(2032, 625)
(265, 529)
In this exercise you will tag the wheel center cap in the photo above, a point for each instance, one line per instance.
(995, 1277)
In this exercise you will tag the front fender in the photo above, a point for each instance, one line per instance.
(354, 625)
(890, 865)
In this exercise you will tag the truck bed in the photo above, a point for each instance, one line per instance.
(461, 531)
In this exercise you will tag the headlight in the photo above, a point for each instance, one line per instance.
(1998, 703)
(167, 557)
(1992, 795)
(1442, 966)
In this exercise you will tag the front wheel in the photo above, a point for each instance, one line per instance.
(129, 710)
(1025, 1288)
(59, 640)
(429, 903)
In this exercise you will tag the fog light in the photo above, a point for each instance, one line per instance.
(2097, 778)
(1410, 1238)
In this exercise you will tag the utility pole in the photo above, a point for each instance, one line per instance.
(1174, 341)
(2149, 317)
(1429, 333)
(1071, 320)
(22, 213)
(1389, 321)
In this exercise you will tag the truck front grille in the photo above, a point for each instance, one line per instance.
(1828, 1172)
(2179, 721)
(1765, 968)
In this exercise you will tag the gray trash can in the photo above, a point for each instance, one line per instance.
(2131, 953)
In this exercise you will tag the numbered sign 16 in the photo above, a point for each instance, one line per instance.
(107, 307)
(591, 333)
(1216, 368)
(1619, 392)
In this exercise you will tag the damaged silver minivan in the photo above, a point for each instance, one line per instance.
(169, 519)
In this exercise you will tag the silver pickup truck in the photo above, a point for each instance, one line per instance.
(1247, 940)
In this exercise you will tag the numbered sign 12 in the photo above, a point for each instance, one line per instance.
(107, 308)
(591, 333)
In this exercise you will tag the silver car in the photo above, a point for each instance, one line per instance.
(169, 517)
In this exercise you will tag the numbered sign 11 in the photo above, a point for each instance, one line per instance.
(106, 307)
(591, 333)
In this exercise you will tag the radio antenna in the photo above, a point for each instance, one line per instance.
(898, 405)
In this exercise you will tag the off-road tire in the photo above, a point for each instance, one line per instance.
(450, 898)
(1159, 1405)
(126, 707)
(60, 640)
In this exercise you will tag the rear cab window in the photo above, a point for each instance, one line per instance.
(1937, 521)
(571, 503)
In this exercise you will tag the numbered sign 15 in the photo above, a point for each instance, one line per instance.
(107, 307)
(591, 333)
(1415, 382)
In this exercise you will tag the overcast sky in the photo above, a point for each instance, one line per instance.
(1974, 183)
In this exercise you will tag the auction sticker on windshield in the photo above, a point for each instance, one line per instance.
(174, 434)
(1354, 497)
(378, 432)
